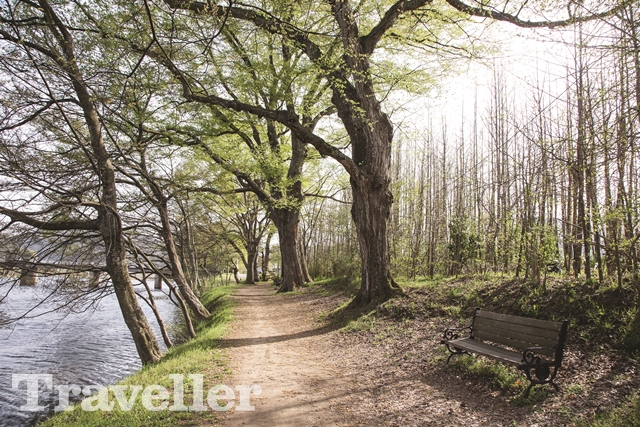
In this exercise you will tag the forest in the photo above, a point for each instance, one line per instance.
(270, 140)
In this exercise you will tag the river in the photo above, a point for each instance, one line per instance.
(92, 347)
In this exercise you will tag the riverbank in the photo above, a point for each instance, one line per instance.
(78, 344)
(200, 356)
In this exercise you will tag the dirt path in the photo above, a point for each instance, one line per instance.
(389, 373)
(276, 343)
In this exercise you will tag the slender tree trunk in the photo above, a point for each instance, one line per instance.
(175, 260)
(236, 277)
(580, 164)
(151, 302)
(302, 256)
(266, 255)
(176, 266)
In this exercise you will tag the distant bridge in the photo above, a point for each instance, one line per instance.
(28, 271)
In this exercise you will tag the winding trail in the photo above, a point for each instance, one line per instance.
(275, 343)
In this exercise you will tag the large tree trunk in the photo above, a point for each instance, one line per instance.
(134, 317)
(370, 213)
(287, 222)
(110, 224)
(252, 263)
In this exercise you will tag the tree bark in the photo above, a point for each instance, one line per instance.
(287, 222)
(302, 256)
(252, 263)
(109, 221)
(177, 272)
(266, 255)
(370, 213)
(236, 277)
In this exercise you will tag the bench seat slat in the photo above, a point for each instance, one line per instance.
(514, 343)
(509, 328)
(479, 347)
(527, 339)
(525, 321)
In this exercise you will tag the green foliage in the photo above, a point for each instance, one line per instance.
(631, 330)
(464, 244)
(548, 249)
(505, 378)
(362, 323)
(606, 315)
(339, 285)
(398, 309)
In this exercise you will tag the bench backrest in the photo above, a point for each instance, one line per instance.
(520, 332)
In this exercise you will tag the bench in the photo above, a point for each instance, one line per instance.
(533, 346)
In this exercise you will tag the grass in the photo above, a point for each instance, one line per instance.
(200, 356)
(625, 415)
(598, 315)
(503, 377)
(365, 322)
(338, 285)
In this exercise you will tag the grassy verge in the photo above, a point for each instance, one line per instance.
(602, 315)
(200, 356)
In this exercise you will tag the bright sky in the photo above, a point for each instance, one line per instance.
(523, 56)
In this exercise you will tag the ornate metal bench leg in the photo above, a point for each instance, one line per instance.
(454, 352)
(526, 393)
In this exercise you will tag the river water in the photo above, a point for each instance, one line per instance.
(87, 348)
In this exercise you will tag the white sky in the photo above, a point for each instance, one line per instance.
(524, 56)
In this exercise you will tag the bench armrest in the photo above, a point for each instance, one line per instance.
(452, 333)
(529, 354)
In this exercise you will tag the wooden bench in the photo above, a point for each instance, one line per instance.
(533, 346)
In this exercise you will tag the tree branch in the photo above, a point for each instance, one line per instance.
(26, 218)
(369, 42)
(514, 19)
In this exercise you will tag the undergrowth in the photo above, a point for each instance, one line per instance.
(625, 415)
(604, 317)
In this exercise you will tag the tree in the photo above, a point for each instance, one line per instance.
(56, 115)
(277, 157)
(136, 144)
(342, 52)
(245, 220)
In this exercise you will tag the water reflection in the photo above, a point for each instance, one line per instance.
(91, 347)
